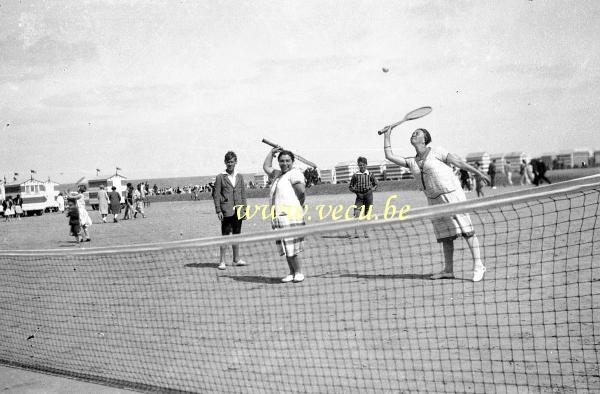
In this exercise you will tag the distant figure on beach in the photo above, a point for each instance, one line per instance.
(103, 203)
(492, 173)
(508, 173)
(114, 199)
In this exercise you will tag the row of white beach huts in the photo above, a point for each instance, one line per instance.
(385, 170)
(41, 196)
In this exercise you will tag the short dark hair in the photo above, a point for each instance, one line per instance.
(230, 155)
(128, 184)
(426, 135)
(82, 187)
(286, 152)
(114, 188)
(361, 160)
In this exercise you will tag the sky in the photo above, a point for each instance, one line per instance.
(165, 88)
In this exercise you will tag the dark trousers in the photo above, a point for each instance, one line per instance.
(363, 199)
(539, 177)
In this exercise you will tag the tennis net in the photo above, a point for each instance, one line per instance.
(367, 318)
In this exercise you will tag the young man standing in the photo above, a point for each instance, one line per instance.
(229, 193)
(363, 184)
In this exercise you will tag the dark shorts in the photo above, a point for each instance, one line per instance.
(231, 225)
(75, 229)
(365, 199)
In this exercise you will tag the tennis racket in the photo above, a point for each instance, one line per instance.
(414, 114)
(298, 157)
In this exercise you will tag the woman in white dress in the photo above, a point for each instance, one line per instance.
(103, 203)
(61, 202)
(287, 199)
(85, 220)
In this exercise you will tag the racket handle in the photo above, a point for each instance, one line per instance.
(274, 145)
(391, 126)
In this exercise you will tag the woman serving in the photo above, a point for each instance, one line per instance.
(431, 166)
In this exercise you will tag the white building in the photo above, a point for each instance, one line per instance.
(483, 158)
(581, 157)
(35, 198)
(377, 169)
(344, 171)
(328, 176)
(395, 172)
(548, 160)
(565, 158)
(93, 187)
(260, 179)
(499, 157)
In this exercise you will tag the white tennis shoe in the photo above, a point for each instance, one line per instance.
(298, 278)
(478, 273)
(288, 278)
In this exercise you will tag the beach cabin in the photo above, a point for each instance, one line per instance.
(499, 157)
(377, 168)
(35, 198)
(394, 172)
(483, 158)
(596, 158)
(261, 179)
(93, 186)
(345, 170)
(515, 159)
(565, 159)
(581, 157)
(549, 159)
(328, 176)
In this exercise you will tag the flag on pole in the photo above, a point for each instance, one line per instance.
(119, 169)
(33, 172)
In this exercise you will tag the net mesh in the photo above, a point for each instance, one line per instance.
(366, 319)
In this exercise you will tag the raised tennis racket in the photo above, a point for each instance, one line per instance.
(298, 157)
(414, 114)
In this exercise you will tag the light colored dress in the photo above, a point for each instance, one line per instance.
(439, 184)
(61, 203)
(103, 202)
(84, 218)
(288, 212)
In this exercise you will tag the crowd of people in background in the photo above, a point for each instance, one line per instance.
(530, 173)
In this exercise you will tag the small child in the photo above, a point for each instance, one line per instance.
(73, 215)
(8, 209)
(363, 183)
(138, 202)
